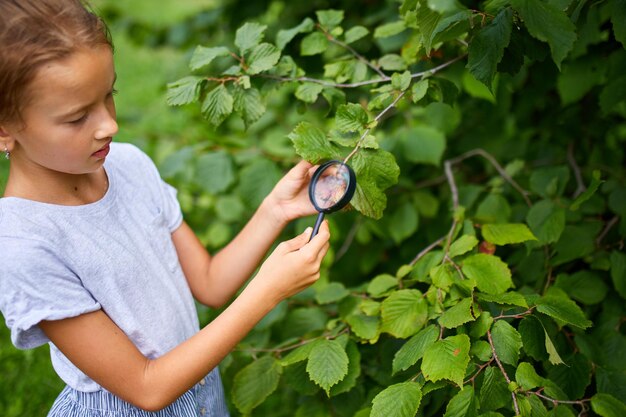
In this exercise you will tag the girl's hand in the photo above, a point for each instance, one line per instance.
(289, 199)
(293, 266)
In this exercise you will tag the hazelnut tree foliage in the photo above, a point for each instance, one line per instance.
(482, 271)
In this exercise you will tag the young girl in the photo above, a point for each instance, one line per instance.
(96, 258)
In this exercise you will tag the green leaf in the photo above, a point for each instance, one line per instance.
(578, 78)
(462, 245)
(392, 62)
(527, 377)
(256, 180)
(354, 370)
(376, 170)
(313, 44)
(398, 400)
(442, 276)
(401, 81)
(548, 24)
(533, 338)
(424, 144)
(254, 383)
(507, 298)
(330, 18)
(299, 354)
(463, 404)
(613, 93)
(229, 208)
(217, 105)
(618, 19)
(584, 286)
(311, 143)
(203, 56)
(328, 364)
(308, 92)
(351, 117)
(262, 58)
(215, 172)
(606, 405)
(403, 222)
(553, 354)
(504, 234)
(557, 305)
(248, 36)
(419, 90)
(381, 284)
(365, 327)
(184, 91)
(433, 26)
(285, 36)
(547, 221)
(506, 341)
(249, 104)
(489, 272)
(389, 29)
(457, 315)
(355, 33)
(618, 272)
(573, 377)
(589, 192)
(447, 359)
(403, 313)
(414, 349)
(494, 393)
(331, 293)
(549, 181)
(487, 47)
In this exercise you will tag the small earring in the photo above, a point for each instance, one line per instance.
(7, 154)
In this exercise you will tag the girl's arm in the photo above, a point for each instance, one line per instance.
(214, 280)
(102, 351)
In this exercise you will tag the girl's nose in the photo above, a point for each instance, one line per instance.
(107, 126)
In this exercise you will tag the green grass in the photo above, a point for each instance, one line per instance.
(28, 384)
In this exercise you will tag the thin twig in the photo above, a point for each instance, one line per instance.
(577, 174)
(606, 230)
(508, 380)
(497, 166)
(515, 316)
(367, 131)
(358, 56)
(349, 239)
(426, 250)
(326, 83)
(555, 401)
(480, 369)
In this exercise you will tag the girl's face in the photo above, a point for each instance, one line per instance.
(69, 121)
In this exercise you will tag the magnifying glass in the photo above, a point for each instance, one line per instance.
(332, 187)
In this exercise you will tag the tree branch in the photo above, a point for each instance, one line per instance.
(325, 83)
(577, 174)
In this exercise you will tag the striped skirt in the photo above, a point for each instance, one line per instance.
(205, 399)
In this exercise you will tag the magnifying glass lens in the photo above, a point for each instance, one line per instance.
(331, 186)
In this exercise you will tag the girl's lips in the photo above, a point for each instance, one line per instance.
(102, 153)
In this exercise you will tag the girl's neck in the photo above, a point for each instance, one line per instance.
(58, 188)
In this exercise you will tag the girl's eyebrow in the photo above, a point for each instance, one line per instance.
(81, 108)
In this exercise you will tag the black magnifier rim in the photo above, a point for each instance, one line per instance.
(347, 196)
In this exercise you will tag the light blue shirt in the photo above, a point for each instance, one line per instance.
(115, 254)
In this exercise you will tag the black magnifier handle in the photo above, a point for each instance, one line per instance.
(318, 223)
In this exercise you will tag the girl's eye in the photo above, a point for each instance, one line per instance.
(78, 121)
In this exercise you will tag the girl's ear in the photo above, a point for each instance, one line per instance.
(6, 140)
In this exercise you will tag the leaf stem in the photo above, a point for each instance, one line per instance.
(515, 316)
(358, 56)
(367, 131)
(508, 380)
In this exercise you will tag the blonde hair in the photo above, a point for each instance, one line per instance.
(34, 33)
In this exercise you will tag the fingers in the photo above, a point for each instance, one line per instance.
(301, 169)
(297, 242)
(320, 239)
